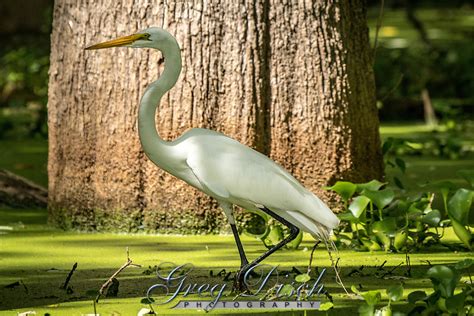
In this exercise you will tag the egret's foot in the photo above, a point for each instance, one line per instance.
(239, 281)
(239, 285)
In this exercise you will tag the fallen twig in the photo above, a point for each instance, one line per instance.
(311, 256)
(68, 278)
(408, 272)
(391, 271)
(381, 266)
(110, 280)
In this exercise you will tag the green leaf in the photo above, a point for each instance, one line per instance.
(358, 205)
(464, 264)
(348, 217)
(375, 246)
(302, 278)
(384, 239)
(387, 145)
(380, 198)
(295, 242)
(414, 212)
(400, 240)
(395, 293)
(455, 303)
(401, 164)
(275, 235)
(384, 311)
(257, 226)
(398, 183)
(432, 218)
(463, 234)
(286, 290)
(388, 225)
(366, 310)
(459, 205)
(444, 280)
(367, 243)
(416, 296)
(468, 175)
(344, 189)
(401, 208)
(372, 185)
(440, 186)
(355, 290)
(372, 297)
(326, 306)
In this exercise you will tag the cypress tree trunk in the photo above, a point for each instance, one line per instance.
(290, 79)
(324, 118)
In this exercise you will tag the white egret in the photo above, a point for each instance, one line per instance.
(221, 167)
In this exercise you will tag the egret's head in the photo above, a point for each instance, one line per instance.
(153, 37)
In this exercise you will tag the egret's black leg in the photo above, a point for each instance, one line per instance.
(294, 231)
(243, 261)
(243, 258)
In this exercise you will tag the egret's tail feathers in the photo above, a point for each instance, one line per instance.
(317, 229)
(320, 213)
(324, 234)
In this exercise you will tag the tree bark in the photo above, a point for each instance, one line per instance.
(324, 117)
(292, 79)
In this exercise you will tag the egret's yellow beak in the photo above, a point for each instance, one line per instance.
(121, 41)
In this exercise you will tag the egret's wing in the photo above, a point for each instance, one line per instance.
(231, 171)
(226, 168)
(211, 184)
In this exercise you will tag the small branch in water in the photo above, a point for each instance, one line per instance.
(110, 280)
(311, 257)
(391, 271)
(68, 278)
(381, 266)
(408, 272)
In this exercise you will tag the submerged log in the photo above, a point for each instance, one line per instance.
(16, 191)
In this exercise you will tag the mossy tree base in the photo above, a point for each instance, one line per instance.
(134, 221)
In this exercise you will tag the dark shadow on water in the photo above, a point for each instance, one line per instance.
(39, 287)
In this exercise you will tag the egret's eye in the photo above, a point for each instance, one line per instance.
(146, 37)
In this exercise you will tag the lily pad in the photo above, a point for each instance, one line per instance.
(302, 278)
(325, 306)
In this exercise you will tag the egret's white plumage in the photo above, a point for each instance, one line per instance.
(234, 173)
(221, 167)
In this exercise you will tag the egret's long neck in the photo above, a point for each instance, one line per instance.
(158, 150)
